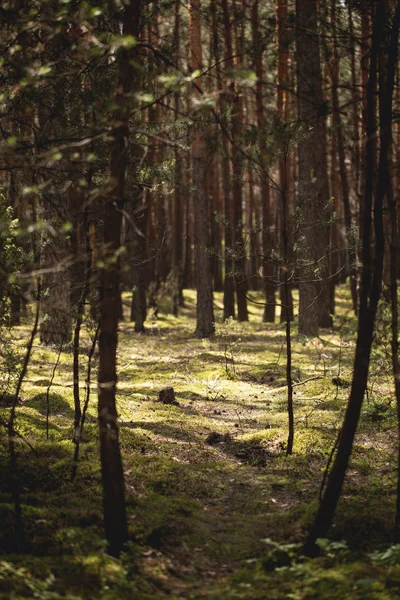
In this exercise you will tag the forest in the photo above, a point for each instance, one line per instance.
(199, 315)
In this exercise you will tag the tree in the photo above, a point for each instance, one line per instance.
(205, 309)
(313, 174)
(371, 283)
(337, 127)
(265, 196)
(111, 463)
(236, 130)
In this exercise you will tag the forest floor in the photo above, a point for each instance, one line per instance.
(218, 516)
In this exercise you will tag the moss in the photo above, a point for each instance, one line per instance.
(198, 514)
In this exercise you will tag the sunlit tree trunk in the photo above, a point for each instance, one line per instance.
(268, 217)
(111, 462)
(337, 128)
(371, 283)
(226, 178)
(314, 309)
(204, 308)
(236, 123)
(177, 220)
(355, 119)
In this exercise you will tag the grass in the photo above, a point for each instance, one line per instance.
(222, 520)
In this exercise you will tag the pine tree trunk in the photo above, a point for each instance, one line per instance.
(268, 218)
(355, 147)
(236, 125)
(229, 283)
(177, 208)
(338, 130)
(110, 455)
(56, 324)
(204, 308)
(314, 308)
(371, 283)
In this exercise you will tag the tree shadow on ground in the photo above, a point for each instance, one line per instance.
(247, 451)
(57, 404)
(163, 429)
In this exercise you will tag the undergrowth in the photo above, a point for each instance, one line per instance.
(210, 516)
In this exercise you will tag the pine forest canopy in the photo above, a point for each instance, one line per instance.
(245, 150)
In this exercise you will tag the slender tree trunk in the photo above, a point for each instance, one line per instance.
(229, 283)
(136, 243)
(111, 462)
(81, 273)
(282, 108)
(364, 68)
(314, 309)
(338, 130)
(371, 283)
(177, 208)
(268, 217)
(387, 77)
(204, 309)
(137, 212)
(355, 147)
(286, 290)
(239, 254)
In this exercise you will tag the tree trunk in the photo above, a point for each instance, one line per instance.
(177, 208)
(338, 131)
(355, 147)
(314, 309)
(229, 283)
(268, 219)
(204, 308)
(56, 325)
(371, 283)
(239, 255)
(111, 462)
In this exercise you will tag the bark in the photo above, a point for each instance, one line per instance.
(229, 284)
(253, 271)
(371, 285)
(314, 309)
(138, 257)
(364, 68)
(81, 272)
(338, 130)
(19, 538)
(177, 208)
(387, 77)
(355, 147)
(239, 254)
(204, 307)
(268, 217)
(286, 290)
(282, 108)
(110, 455)
(56, 325)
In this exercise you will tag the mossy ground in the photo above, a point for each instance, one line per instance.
(200, 514)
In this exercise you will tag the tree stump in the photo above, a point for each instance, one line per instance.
(215, 438)
(167, 395)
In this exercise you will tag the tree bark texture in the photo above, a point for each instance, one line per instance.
(314, 309)
(111, 462)
(236, 123)
(268, 217)
(371, 283)
(204, 308)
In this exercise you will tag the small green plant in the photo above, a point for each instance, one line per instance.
(21, 581)
(12, 257)
(280, 555)
(332, 549)
(227, 332)
(390, 556)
